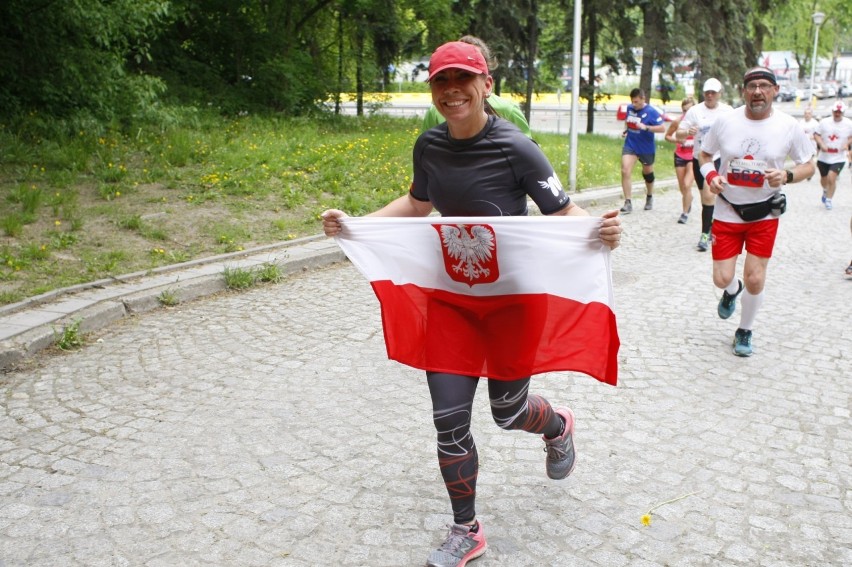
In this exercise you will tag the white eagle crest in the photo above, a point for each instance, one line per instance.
(471, 250)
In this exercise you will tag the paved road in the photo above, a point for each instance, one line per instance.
(555, 117)
(267, 428)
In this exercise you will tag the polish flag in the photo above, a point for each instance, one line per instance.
(499, 297)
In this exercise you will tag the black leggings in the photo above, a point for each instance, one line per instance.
(452, 403)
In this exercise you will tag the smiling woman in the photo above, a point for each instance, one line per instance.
(458, 89)
(478, 165)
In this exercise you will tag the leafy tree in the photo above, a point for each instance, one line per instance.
(256, 54)
(723, 55)
(789, 26)
(68, 59)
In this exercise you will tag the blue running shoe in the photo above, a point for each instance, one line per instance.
(729, 302)
(742, 342)
(461, 546)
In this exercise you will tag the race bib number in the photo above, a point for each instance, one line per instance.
(747, 172)
(633, 122)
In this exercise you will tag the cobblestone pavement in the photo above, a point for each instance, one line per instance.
(267, 428)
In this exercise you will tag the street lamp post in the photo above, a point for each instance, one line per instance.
(818, 18)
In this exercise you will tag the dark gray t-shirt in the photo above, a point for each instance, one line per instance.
(490, 174)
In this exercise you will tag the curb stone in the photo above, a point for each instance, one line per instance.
(35, 325)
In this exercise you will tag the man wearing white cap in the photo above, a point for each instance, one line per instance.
(833, 139)
(754, 142)
(697, 122)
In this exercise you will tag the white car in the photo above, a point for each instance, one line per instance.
(826, 90)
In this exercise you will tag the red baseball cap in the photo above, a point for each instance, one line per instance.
(838, 107)
(457, 55)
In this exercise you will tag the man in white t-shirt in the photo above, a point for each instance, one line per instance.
(833, 138)
(697, 122)
(810, 125)
(753, 143)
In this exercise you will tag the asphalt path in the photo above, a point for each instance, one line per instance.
(556, 118)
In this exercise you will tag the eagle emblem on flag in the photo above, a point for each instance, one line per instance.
(470, 252)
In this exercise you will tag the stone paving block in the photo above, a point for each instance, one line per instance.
(266, 427)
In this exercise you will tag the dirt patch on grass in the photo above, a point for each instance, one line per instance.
(100, 233)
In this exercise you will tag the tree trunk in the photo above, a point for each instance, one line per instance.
(650, 26)
(591, 26)
(359, 70)
(532, 51)
(339, 62)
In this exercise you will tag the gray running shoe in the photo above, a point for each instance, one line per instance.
(560, 451)
(704, 242)
(683, 218)
(729, 302)
(460, 547)
(627, 208)
(649, 202)
(742, 342)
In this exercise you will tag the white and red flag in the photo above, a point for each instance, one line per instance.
(500, 297)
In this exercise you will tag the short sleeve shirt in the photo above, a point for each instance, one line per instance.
(502, 107)
(747, 148)
(491, 174)
(641, 141)
(810, 127)
(835, 139)
(702, 118)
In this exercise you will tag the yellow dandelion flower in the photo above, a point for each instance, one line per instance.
(57, 222)
(646, 518)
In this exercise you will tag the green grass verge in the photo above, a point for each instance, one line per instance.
(87, 205)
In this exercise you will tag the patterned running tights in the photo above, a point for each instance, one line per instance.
(452, 402)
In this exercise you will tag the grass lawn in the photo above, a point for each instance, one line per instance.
(93, 204)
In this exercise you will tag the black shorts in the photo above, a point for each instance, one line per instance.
(824, 168)
(696, 170)
(644, 159)
(680, 162)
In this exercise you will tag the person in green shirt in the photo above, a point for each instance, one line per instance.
(505, 109)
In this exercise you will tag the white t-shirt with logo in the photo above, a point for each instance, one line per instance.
(702, 118)
(835, 138)
(747, 149)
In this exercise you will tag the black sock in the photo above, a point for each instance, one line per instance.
(475, 527)
(706, 218)
(562, 426)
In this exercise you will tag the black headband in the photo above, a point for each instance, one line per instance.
(759, 73)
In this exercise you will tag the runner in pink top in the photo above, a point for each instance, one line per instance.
(683, 160)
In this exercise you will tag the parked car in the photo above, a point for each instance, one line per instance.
(844, 90)
(786, 93)
(825, 90)
(803, 93)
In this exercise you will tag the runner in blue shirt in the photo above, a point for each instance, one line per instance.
(641, 123)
